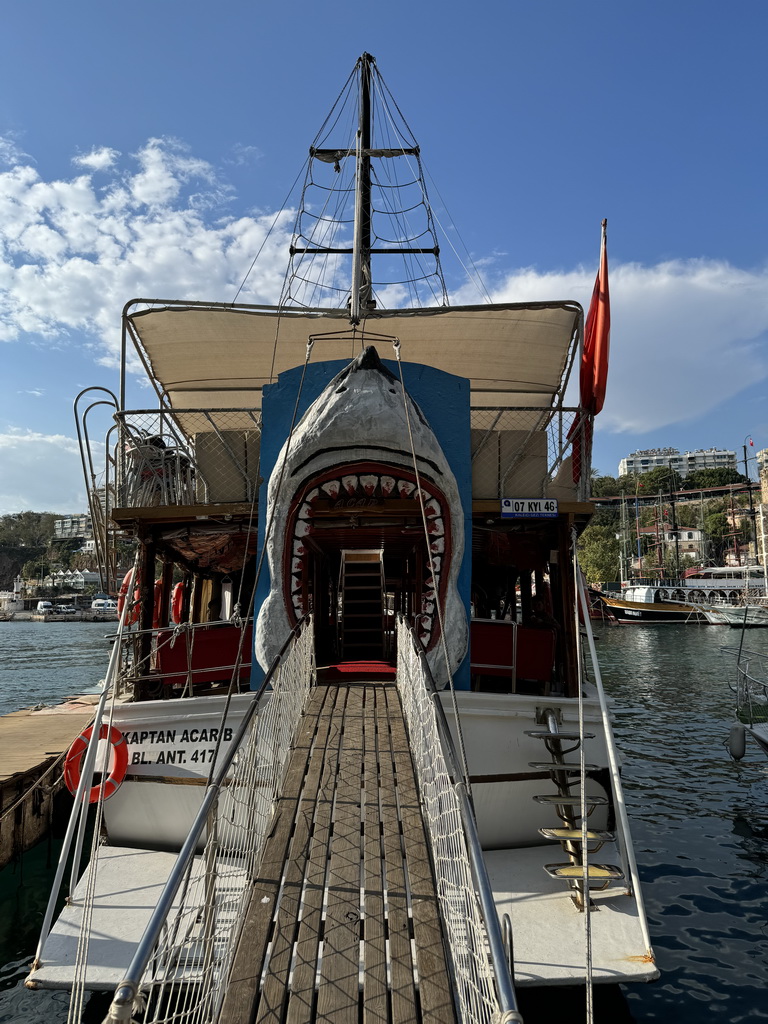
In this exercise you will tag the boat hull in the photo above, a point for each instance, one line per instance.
(634, 612)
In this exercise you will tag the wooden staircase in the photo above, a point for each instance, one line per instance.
(361, 587)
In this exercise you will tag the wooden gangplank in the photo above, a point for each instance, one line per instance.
(343, 924)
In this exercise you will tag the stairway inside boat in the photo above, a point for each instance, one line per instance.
(361, 591)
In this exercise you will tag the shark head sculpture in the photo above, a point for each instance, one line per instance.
(364, 440)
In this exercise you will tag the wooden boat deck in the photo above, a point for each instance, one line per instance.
(343, 923)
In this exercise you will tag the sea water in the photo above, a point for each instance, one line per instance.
(699, 821)
(46, 662)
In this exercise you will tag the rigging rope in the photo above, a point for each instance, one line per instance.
(438, 606)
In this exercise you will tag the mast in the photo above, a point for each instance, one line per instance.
(361, 255)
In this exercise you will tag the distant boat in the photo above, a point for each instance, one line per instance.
(689, 598)
(747, 616)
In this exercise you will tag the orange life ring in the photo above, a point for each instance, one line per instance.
(125, 586)
(177, 602)
(73, 762)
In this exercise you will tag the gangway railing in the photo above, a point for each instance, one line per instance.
(192, 934)
(479, 952)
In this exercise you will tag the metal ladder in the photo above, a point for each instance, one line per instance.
(567, 804)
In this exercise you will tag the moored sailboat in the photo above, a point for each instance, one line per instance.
(361, 756)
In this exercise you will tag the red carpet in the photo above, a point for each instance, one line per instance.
(346, 671)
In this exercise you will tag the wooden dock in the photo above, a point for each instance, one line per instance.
(31, 743)
(343, 924)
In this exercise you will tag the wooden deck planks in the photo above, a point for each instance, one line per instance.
(345, 868)
(337, 1001)
(375, 1003)
(243, 988)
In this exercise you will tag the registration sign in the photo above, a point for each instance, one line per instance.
(528, 508)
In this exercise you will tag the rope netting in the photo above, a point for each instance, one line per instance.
(184, 978)
(476, 996)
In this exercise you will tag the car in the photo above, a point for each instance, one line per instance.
(65, 609)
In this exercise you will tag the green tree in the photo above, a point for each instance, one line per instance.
(605, 486)
(599, 552)
(701, 479)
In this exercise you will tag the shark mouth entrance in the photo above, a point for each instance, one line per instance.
(371, 505)
(343, 488)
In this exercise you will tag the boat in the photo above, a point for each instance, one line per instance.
(747, 676)
(356, 754)
(744, 616)
(653, 604)
(701, 595)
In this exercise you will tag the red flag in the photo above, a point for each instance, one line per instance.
(597, 335)
(594, 362)
(751, 443)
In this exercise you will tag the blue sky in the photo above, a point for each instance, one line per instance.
(145, 147)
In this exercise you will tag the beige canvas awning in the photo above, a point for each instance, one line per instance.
(215, 357)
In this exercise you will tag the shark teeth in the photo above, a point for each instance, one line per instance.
(354, 487)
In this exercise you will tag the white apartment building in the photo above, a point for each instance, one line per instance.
(671, 458)
(70, 527)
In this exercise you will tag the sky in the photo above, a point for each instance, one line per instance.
(146, 148)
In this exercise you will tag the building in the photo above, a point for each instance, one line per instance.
(75, 527)
(670, 458)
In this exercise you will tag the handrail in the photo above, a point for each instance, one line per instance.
(126, 991)
(80, 806)
(613, 761)
(496, 944)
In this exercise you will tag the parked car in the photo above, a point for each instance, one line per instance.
(65, 609)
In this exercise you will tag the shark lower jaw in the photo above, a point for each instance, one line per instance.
(367, 492)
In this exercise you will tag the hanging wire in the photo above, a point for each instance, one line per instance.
(438, 605)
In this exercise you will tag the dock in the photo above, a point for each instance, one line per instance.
(31, 743)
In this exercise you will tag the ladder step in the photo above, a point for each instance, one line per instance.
(573, 835)
(545, 734)
(570, 767)
(595, 872)
(572, 800)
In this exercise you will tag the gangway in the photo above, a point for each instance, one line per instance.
(333, 872)
(344, 898)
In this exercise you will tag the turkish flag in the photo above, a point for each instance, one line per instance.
(597, 338)
(594, 362)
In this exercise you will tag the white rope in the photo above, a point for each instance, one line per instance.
(438, 605)
(589, 993)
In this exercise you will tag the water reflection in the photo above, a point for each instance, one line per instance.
(700, 820)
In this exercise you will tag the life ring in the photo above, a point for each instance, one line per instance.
(119, 757)
(177, 602)
(125, 586)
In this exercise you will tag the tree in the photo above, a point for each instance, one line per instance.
(599, 553)
(701, 479)
(604, 486)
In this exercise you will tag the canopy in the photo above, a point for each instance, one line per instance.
(203, 356)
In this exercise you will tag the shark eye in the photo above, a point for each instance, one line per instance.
(392, 390)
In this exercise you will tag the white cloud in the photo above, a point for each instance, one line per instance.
(72, 253)
(100, 159)
(686, 335)
(40, 472)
